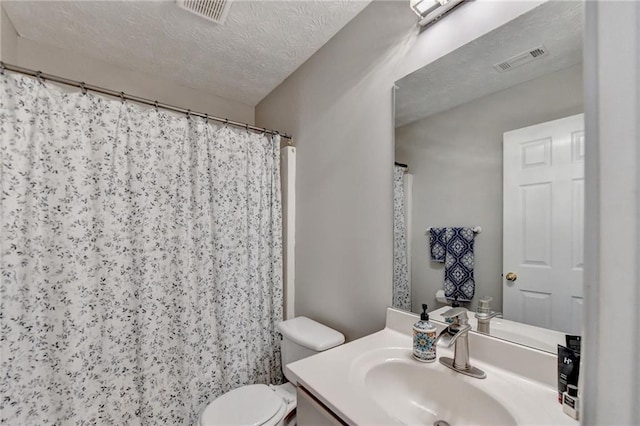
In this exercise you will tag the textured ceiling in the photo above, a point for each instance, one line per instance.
(468, 73)
(260, 44)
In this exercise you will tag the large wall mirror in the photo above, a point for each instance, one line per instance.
(489, 152)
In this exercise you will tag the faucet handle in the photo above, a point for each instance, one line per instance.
(456, 315)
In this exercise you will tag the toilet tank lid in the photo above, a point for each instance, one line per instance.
(310, 334)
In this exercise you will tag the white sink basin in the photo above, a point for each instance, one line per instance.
(374, 381)
(414, 393)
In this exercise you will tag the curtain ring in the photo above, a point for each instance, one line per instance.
(83, 88)
(188, 114)
(264, 130)
(226, 122)
(122, 97)
(206, 118)
(246, 127)
(39, 77)
(2, 68)
(155, 105)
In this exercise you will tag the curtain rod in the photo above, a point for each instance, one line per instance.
(124, 96)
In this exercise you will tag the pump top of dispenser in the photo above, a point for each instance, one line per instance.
(424, 324)
(424, 316)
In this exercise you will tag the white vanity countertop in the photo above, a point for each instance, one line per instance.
(331, 378)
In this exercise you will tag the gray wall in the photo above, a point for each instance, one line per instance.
(456, 159)
(611, 346)
(338, 105)
(8, 39)
(20, 51)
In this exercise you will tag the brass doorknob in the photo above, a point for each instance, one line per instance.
(511, 276)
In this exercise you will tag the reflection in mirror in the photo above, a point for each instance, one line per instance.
(402, 182)
(491, 136)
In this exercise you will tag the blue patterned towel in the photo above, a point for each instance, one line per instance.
(454, 247)
(438, 243)
(458, 265)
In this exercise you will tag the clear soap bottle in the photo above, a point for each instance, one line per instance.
(424, 338)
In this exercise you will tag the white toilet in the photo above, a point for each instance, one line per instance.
(262, 405)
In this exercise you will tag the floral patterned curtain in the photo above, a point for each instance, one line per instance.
(141, 259)
(401, 284)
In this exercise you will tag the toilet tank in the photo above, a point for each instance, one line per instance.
(303, 337)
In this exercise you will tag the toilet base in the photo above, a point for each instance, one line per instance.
(288, 392)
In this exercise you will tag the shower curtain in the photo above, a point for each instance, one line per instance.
(401, 282)
(141, 259)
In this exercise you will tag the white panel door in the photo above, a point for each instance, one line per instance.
(543, 224)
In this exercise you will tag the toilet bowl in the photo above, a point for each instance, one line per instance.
(262, 405)
(252, 405)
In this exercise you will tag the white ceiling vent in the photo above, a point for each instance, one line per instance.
(521, 58)
(213, 10)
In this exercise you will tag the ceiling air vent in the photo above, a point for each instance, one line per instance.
(213, 10)
(521, 58)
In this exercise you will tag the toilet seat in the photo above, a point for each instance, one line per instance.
(255, 405)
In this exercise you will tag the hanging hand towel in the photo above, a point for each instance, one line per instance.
(458, 266)
(437, 243)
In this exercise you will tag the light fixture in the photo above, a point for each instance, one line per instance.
(430, 11)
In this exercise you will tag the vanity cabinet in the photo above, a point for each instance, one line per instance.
(311, 412)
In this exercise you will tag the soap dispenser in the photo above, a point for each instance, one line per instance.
(424, 338)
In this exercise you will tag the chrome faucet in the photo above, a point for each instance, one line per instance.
(458, 333)
(484, 315)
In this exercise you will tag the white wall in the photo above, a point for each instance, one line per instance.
(8, 39)
(338, 105)
(456, 159)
